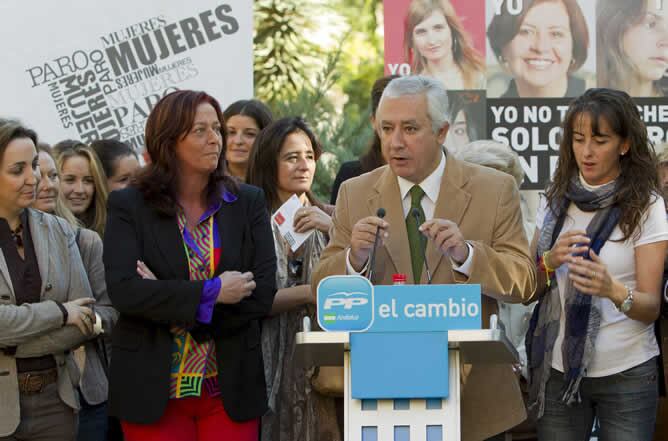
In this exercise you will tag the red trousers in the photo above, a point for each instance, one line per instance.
(193, 419)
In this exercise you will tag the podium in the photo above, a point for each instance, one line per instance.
(369, 417)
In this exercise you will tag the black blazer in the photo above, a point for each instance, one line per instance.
(142, 342)
(348, 170)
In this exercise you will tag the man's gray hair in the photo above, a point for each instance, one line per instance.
(437, 97)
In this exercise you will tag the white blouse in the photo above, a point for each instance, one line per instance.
(622, 342)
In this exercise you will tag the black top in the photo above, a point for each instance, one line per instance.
(26, 280)
(142, 341)
(576, 87)
(348, 170)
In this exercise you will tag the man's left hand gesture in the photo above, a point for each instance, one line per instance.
(447, 238)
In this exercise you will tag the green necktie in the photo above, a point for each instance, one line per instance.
(416, 240)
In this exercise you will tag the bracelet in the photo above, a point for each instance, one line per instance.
(544, 267)
(63, 310)
(548, 269)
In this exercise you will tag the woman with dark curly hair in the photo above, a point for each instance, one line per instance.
(600, 243)
(190, 266)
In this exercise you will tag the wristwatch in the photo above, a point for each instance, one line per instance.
(626, 305)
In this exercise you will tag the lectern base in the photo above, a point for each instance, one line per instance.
(398, 420)
(406, 420)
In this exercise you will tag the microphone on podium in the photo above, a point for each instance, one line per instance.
(372, 258)
(416, 214)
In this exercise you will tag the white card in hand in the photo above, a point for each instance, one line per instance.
(284, 219)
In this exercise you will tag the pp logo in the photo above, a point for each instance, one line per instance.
(345, 303)
(346, 299)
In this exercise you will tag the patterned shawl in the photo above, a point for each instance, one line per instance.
(583, 316)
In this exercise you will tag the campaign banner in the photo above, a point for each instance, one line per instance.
(540, 49)
(655, 115)
(93, 70)
(426, 308)
(467, 109)
(532, 128)
(351, 303)
(423, 37)
(396, 331)
(524, 61)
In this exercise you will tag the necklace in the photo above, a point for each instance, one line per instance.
(17, 235)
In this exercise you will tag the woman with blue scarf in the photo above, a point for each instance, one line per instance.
(600, 244)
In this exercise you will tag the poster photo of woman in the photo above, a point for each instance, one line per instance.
(441, 39)
(467, 118)
(540, 48)
(632, 42)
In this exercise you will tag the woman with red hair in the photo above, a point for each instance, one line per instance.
(187, 363)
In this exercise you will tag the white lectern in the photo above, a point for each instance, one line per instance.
(398, 420)
(391, 342)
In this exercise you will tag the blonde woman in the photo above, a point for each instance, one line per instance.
(83, 184)
(94, 384)
(48, 196)
(437, 45)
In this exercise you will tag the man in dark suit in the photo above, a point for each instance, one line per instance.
(473, 225)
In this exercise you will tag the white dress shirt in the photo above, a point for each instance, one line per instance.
(431, 186)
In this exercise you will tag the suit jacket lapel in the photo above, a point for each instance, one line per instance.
(388, 196)
(168, 238)
(451, 205)
(40, 242)
(231, 230)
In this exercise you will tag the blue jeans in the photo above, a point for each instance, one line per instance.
(92, 421)
(624, 403)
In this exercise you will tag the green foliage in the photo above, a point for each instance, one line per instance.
(362, 62)
(282, 55)
(342, 138)
(332, 95)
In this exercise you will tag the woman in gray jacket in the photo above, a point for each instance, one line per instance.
(93, 357)
(45, 302)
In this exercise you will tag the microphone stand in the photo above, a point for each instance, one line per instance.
(372, 258)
